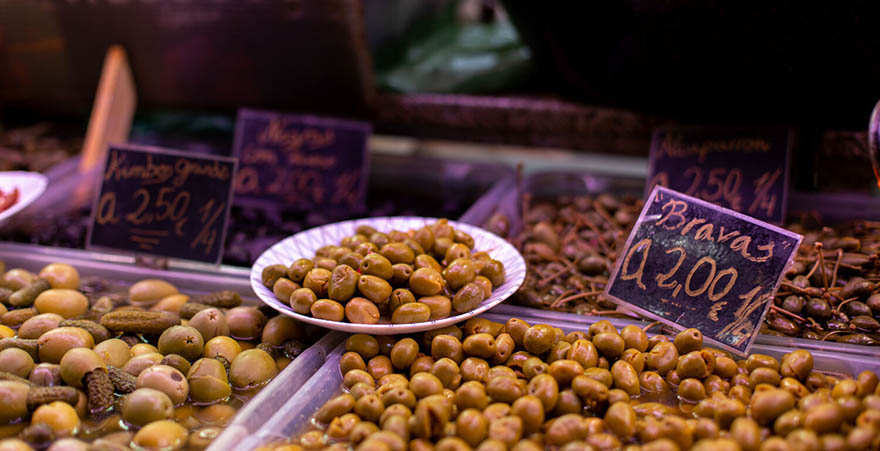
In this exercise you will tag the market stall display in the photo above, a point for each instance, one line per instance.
(167, 360)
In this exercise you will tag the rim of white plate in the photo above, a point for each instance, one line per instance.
(304, 245)
(31, 186)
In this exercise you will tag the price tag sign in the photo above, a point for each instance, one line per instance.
(688, 263)
(162, 202)
(300, 162)
(744, 169)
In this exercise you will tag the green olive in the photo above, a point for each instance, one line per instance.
(425, 384)
(697, 364)
(328, 309)
(374, 288)
(56, 342)
(379, 366)
(567, 428)
(208, 382)
(210, 323)
(797, 364)
(494, 271)
(138, 363)
(471, 395)
(688, 340)
(468, 297)
(404, 353)
(343, 283)
(426, 282)
(447, 346)
(539, 339)
(272, 273)
(17, 362)
(283, 288)
(397, 253)
(146, 405)
(166, 379)
(441, 306)
(151, 291)
(162, 434)
(376, 264)
(504, 389)
(185, 341)
(634, 338)
(38, 325)
(625, 377)
(767, 405)
(245, 323)
(411, 313)
(589, 389)
(621, 419)
(565, 370)
(251, 368)
(448, 372)
(65, 302)
(352, 259)
(427, 261)
(459, 272)
(318, 280)
(545, 388)
(301, 300)
(610, 344)
(299, 269)
(361, 311)
(474, 369)
(472, 426)
(485, 283)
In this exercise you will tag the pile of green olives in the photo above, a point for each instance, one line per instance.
(490, 386)
(146, 368)
(403, 277)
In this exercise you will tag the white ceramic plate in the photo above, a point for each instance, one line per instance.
(30, 186)
(304, 245)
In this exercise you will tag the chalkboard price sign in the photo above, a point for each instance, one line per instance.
(689, 263)
(162, 202)
(300, 162)
(744, 169)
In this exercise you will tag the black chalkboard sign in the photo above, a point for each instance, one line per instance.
(744, 169)
(162, 202)
(300, 162)
(689, 263)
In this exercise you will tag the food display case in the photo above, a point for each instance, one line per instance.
(99, 277)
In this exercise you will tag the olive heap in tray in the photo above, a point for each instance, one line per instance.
(514, 386)
(83, 366)
(406, 277)
(570, 244)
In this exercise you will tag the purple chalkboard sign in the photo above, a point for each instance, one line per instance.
(300, 162)
(162, 202)
(689, 263)
(744, 169)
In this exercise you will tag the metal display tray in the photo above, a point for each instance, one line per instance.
(295, 415)
(834, 208)
(254, 413)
